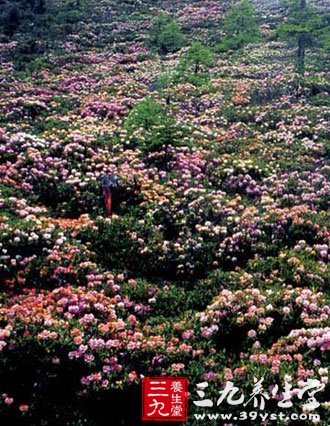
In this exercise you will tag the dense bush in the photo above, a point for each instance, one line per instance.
(241, 27)
(166, 35)
(152, 129)
(161, 214)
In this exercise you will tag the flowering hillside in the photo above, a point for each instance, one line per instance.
(164, 210)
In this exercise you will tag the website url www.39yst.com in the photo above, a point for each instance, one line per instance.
(254, 415)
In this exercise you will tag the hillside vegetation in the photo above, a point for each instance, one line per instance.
(164, 193)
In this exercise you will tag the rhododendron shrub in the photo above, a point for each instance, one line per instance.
(214, 262)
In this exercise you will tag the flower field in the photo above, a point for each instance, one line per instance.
(213, 263)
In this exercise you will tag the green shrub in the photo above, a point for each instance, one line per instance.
(241, 27)
(194, 65)
(150, 128)
(166, 35)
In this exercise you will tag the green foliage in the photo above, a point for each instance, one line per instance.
(199, 57)
(305, 28)
(164, 83)
(194, 65)
(10, 20)
(18, 15)
(241, 27)
(150, 127)
(163, 136)
(147, 114)
(38, 25)
(166, 35)
(153, 130)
